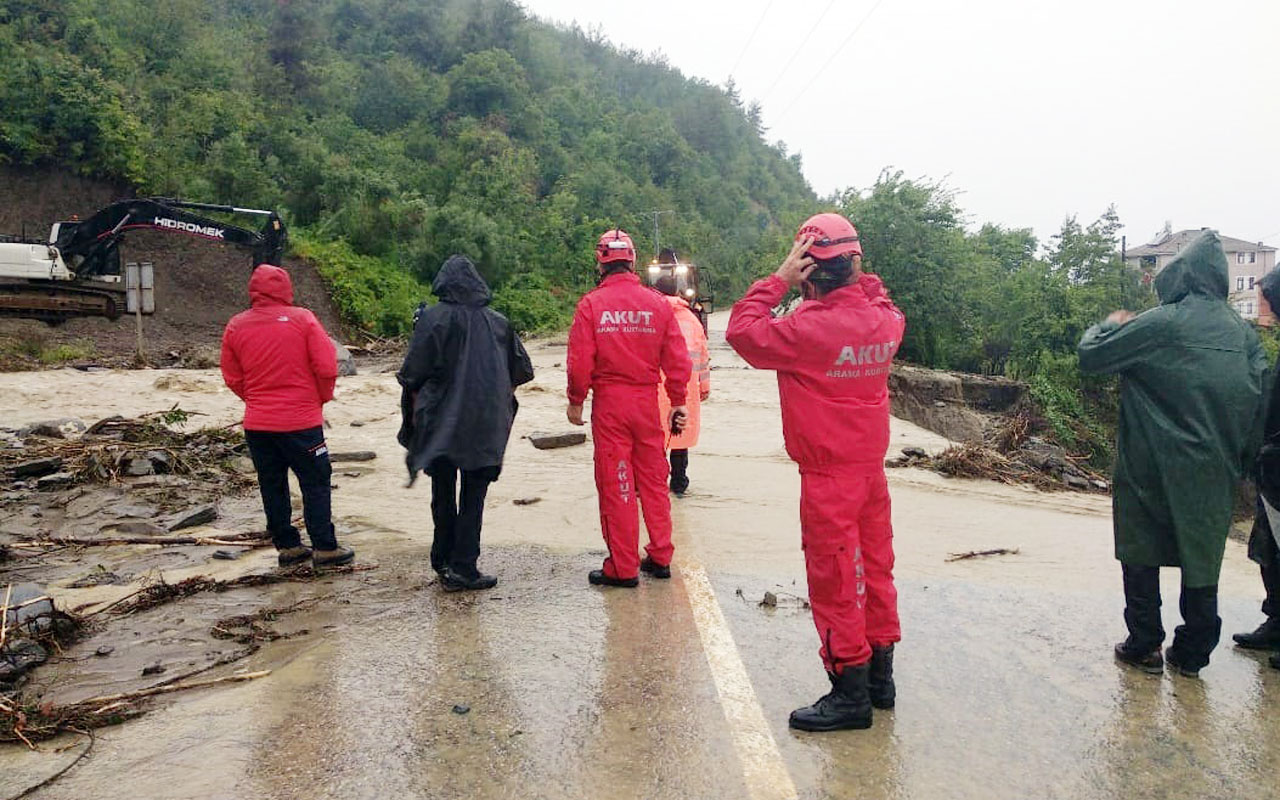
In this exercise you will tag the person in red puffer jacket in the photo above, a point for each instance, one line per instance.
(833, 355)
(279, 360)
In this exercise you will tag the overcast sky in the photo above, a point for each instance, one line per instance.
(1031, 109)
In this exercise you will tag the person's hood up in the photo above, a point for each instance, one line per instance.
(1270, 284)
(270, 286)
(459, 282)
(1201, 268)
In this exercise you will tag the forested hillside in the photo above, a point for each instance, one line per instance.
(393, 133)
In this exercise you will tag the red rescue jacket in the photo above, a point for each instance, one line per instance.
(278, 358)
(624, 334)
(833, 357)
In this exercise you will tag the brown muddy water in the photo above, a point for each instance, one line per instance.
(679, 689)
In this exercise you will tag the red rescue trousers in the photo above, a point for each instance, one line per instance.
(847, 535)
(630, 460)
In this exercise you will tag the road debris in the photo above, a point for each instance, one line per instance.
(550, 441)
(999, 551)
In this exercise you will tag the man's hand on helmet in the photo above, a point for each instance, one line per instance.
(797, 266)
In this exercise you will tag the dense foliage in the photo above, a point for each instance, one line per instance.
(393, 133)
(995, 301)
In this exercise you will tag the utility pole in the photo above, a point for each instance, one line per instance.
(657, 248)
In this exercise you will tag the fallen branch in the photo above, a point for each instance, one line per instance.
(4, 616)
(999, 551)
(236, 540)
(60, 772)
(161, 592)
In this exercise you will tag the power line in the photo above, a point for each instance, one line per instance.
(751, 38)
(833, 57)
(798, 50)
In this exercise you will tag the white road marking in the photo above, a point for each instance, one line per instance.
(762, 765)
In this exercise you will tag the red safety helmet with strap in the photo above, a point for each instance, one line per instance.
(833, 236)
(615, 245)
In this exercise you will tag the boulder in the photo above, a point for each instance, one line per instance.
(37, 616)
(36, 467)
(346, 363)
(18, 657)
(55, 428)
(55, 481)
(200, 515)
(549, 441)
(357, 455)
(136, 467)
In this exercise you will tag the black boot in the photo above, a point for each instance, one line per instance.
(1150, 662)
(1274, 661)
(847, 707)
(880, 679)
(597, 577)
(1265, 637)
(454, 582)
(655, 569)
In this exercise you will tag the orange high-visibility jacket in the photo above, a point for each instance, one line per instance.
(699, 380)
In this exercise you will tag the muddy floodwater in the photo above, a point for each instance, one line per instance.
(547, 688)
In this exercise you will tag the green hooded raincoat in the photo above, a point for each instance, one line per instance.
(1191, 406)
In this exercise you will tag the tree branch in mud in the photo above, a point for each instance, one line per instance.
(161, 592)
(999, 551)
(32, 723)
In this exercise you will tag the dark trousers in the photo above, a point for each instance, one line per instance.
(679, 470)
(457, 517)
(304, 452)
(1263, 550)
(1194, 640)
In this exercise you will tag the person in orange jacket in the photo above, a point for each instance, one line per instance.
(624, 335)
(695, 339)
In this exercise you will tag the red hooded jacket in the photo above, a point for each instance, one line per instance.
(833, 357)
(623, 333)
(278, 358)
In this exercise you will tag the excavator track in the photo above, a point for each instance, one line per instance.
(55, 303)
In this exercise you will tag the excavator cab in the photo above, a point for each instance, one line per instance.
(691, 283)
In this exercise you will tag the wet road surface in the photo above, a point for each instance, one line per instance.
(681, 689)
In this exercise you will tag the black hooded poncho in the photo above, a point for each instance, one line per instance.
(459, 377)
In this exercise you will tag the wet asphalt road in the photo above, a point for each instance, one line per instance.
(681, 689)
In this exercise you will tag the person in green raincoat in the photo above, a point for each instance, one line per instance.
(1191, 405)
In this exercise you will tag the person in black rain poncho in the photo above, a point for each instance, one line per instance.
(457, 406)
(1263, 548)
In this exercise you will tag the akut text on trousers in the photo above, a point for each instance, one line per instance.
(630, 466)
(847, 535)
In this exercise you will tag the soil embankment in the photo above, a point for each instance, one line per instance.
(199, 285)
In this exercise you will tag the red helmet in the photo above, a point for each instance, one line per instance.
(615, 245)
(833, 235)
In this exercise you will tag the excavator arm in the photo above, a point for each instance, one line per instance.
(89, 247)
(77, 272)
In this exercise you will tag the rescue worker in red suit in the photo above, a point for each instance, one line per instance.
(832, 356)
(623, 335)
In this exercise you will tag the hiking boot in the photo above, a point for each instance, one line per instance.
(597, 578)
(679, 485)
(292, 556)
(661, 571)
(847, 707)
(1151, 663)
(453, 582)
(1265, 637)
(880, 678)
(1176, 666)
(333, 558)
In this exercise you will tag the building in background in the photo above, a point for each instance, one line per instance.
(1246, 261)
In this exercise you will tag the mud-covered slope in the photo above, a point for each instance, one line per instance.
(199, 285)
